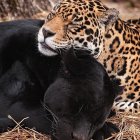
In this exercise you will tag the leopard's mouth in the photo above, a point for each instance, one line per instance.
(45, 46)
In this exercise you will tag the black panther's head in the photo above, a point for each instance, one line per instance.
(81, 97)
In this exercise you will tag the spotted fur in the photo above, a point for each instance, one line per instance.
(89, 24)
(135, 22)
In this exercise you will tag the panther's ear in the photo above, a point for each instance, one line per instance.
(109, 17)
(118, 90)
(70, 61)
(77, 61)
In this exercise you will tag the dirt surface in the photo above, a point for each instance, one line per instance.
(126, 11)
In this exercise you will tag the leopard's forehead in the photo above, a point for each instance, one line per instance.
(79, 7)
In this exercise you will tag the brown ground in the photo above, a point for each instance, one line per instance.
(125, 9)
(128, 124)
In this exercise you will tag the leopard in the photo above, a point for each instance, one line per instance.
(93, 26)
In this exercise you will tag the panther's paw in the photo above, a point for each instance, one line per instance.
(106, 131)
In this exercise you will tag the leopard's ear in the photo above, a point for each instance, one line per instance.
(53, 3)
(109, 17)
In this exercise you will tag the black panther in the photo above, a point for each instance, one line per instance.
(81, 97)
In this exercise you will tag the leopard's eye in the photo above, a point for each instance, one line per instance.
(77, 20)
(74, 17)
(50, 16)
(74, 24)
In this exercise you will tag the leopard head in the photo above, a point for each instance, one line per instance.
(78, 23)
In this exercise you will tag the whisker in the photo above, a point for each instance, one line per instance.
(53, 115)
(91, 128)
(48, 118)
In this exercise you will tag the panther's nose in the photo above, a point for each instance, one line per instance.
(76, 136)
(47, 33)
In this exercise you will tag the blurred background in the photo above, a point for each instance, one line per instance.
(18, 9)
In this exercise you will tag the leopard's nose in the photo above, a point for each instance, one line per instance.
(47, 33)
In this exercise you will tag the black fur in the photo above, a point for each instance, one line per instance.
(81, 97)
(24, 75)
(18, 42)
(20, 98)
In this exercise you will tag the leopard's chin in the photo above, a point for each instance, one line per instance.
(46, 50)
